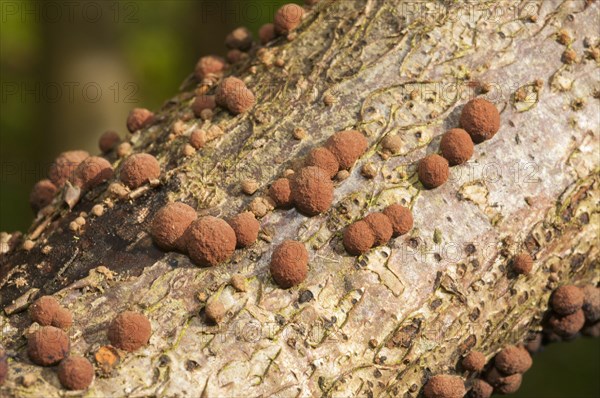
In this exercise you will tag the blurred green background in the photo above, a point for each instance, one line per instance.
(71, 70)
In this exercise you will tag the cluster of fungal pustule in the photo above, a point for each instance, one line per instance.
(169, 226)
(479, 121)
(568, 316)
(311, 188)
(506, 374)
(47, 311)
(207, 240)
(377, 229)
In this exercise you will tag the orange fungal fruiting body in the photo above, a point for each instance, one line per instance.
(202, 102)
(138, 119)
(129, 331)
(433, 171)
(324, 159)
(42, 194)
(266, 33)
(400, 217)
(312, 190)
(474, 361)
(456, 146)
(240, 39)
(566, 299)
(233, 94)
(246, 228)
(287, 18)
(522, 263)
(138, 169)
(169, 225)
(381, 226)
(289, 264)
(444, 386)
(92, 172)
(64, 165)
(209, 65)
(75, 373)
(108, 141)
(347, 146)
(48, 346)
(210, 241)
(281, 193)
(513, 359)
(480, 119)
(358, 238)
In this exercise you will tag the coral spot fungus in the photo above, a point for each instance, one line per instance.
(480, 119)
(358, 238)
(347, 146)
(566, 299)
(75, 373)
(474, 361)
(513, 359)
(281, 193)
(169, 225)
(381, 226)
(522, 263)
(42, 194)
(129, 331)
(139, 118)
(444, 386)
(48, 346)
(108, 141)
(246, 228)
(209, 65)
(433, 171)
(240, 39)
(312, 190)
(400, 217)
(210, 241)
(233, 94)
(456, 146)
(92, 172)
(64, 165)
(138, 169)
(324, 159)
(289, 264)
(266, 33)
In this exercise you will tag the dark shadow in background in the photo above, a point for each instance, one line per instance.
(71, 70)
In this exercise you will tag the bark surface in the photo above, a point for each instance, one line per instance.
(379, 324)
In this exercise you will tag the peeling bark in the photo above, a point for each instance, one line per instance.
(375, 325)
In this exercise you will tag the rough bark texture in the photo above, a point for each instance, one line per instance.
(375, 325)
